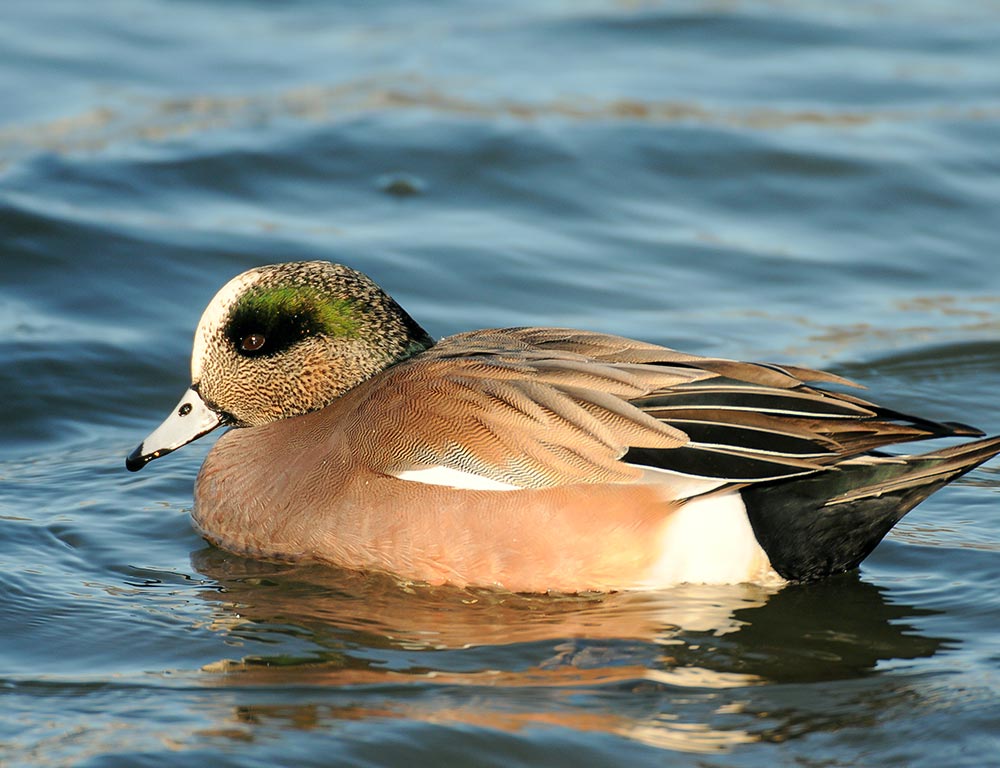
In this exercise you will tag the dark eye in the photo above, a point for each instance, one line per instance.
(252, 342)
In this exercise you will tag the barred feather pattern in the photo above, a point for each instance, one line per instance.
(544, 407)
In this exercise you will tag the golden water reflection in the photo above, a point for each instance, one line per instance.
(622, 664)
(150, 120)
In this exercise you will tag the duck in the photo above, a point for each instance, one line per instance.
(528, 459)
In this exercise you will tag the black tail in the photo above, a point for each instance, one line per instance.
(828, 522)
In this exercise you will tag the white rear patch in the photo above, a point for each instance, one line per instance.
(454, 478)
(709, 541)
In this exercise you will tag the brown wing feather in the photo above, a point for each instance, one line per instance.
(529, 421)
(540, 407)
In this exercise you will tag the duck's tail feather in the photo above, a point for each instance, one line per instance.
(828, 522)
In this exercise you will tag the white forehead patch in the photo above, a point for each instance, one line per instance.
(214, 316)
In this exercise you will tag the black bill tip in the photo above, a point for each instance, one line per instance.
(137, 459)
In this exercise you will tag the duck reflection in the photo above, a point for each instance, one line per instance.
(313, 638)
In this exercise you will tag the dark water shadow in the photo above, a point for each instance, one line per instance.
(840, 628)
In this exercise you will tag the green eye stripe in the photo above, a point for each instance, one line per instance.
(286, 314)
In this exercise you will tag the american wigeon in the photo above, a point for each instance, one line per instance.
(533, 459)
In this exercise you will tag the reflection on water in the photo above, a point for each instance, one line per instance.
(427, 617)
(149, 120)
(511, 662)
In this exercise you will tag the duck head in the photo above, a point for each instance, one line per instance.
(283, 340)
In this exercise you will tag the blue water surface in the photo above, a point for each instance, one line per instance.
(796, 182)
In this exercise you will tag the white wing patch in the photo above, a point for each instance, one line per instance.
(454, 478)
(681, 486)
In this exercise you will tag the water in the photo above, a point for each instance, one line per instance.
(781, 181)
